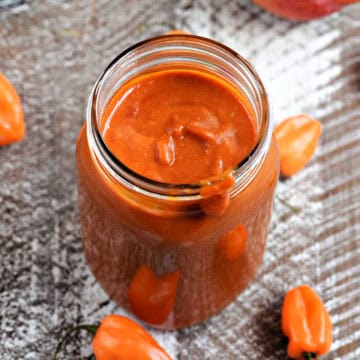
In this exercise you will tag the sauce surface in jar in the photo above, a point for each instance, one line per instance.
(179, 126)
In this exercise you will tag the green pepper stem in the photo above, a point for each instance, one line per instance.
(89, 328)
(291, 207)
(309, 355)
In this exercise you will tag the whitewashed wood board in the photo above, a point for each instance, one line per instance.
(53, 52)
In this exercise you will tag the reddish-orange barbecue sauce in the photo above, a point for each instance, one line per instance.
(178, 126)
(174, 262)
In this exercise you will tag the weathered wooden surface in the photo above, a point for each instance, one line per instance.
(54, 50)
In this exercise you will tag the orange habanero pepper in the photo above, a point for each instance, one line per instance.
(152, 297)
(307, 324)
(12, 125)
(233, 243)
(119, 338)
(297, 138)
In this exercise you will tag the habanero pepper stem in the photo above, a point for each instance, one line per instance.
(89, 328)
(309, 355)
(294, 209)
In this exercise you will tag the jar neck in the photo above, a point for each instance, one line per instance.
(179, 52)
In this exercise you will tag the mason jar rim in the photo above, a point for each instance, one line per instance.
(243, 172)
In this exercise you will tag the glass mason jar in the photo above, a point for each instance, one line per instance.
(173, 254)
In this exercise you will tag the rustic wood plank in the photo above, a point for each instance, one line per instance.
(54, 50)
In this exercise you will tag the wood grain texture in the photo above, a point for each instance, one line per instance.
(53, 52)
